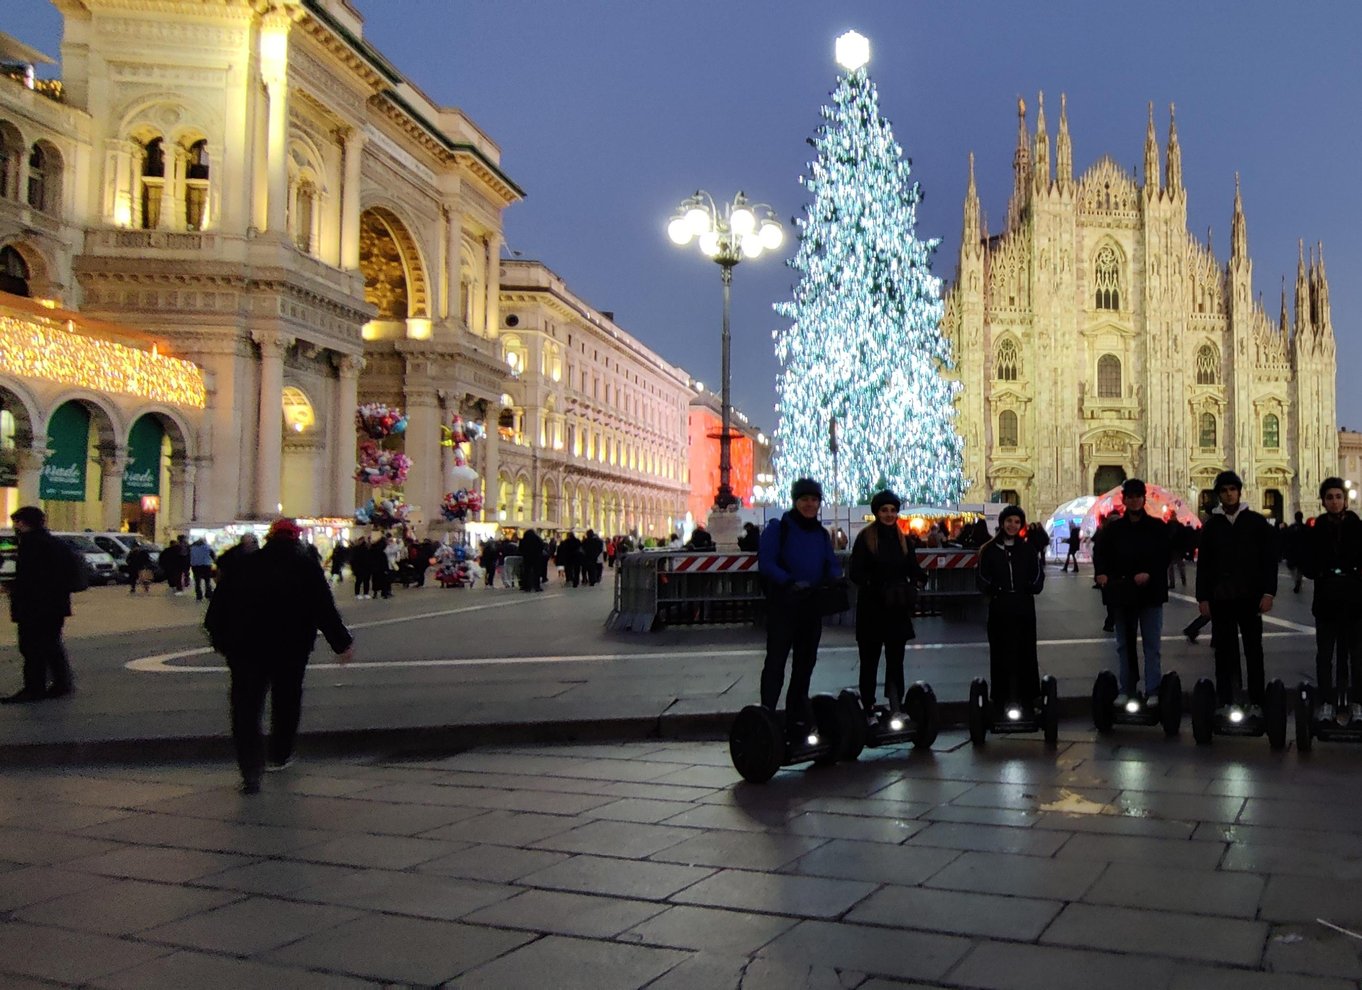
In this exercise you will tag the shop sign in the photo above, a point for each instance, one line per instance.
(68, 439)
(142, 475)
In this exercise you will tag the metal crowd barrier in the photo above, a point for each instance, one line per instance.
(662, 588)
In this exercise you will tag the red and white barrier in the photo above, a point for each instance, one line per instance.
(714, 563)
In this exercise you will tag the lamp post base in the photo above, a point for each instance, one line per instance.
(725, 526)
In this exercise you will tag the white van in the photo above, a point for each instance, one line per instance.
(119, 545)
(100, 566)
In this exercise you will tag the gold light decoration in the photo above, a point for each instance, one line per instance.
(30, 348)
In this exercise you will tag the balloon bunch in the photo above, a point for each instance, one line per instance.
(461, 430)
(383, 512)
(457, 505)
(381, 468)
(376, 420)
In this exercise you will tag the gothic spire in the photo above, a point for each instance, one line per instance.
(1238, 228)
(1021, 166)
(1064, 152)
(1042, 162)
(1151, 156)
(1283, 323)
(1326, 322)
(1174, 166)
(1302, 292)
(969, 233)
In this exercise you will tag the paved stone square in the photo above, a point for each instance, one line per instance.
(1133, 862)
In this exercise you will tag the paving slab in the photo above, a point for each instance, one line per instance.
(865, 949)
(574, 964)
(1021, 919)
(726, 933)
(67, 957)
(809, 897)
(619, 877)
(567, 913)
(1160, 933)
(201, 971)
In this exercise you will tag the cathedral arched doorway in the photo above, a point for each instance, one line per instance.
(1273, 505)
(1107, 477)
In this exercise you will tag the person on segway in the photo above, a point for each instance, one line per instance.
(1236, 583)
(1332, 559)
(885, 570)
(1010, 576)
(795, 559)
(1131, 567)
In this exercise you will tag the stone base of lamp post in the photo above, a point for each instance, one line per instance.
(725, 526)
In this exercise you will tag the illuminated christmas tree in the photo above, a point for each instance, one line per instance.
(865, 345)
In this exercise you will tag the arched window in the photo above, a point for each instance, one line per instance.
(1272, 432)
(1108, 377)
(13, 272)
(1207, 432)
(1007, 428)
(304, 210)
(153, 179)
(1107, 277)
(1009, 363)
(196, 187)
(44, 178)
(11, 154)
(1207, 366)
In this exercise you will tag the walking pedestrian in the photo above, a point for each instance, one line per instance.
(231, 557)
(796, 557)
(1131, 568)
(1332, 558)
(1296, 546)
(201, 561)
(361, 568)
(488, 560)
(1010, 576)
(140, 571)
(592, 548)
(46, 572)
(531, 561)
(175, 565)
(885, 570)
(380, 567)
(264, 620)
(1071, 545)
(1236, 583)
(570, 558)
(340, 556)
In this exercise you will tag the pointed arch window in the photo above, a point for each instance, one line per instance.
(1007, 428)
(1108, 377)
(153, 180)
(1009, 362)
(44, 178)
(1107, 278)
(1207, 431)
(1272, 432)
(1207, 366)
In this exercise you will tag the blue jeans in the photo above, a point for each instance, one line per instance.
(1150, 621)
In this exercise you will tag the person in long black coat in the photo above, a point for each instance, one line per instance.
(885, 570)
(46, 571)
(570, 558)
(531, 561)
(592, 548)
(1010, 575)
(1331, 556)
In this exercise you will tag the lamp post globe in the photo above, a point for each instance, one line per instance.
(726, 234)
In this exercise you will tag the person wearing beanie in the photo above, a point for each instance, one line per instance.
(1236, 583)
(1333, 561)
(885, 570)
(794, 557)
(1130, 564)
(1010, 576)
(264, 618)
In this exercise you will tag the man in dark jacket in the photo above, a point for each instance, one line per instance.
(700, 539)
(531, 561)
(1331, 555)
(795, 557)
(570, 558)
(1011, 576)
(1131, 567)
(264, 620)
(592, 548)
(1296, 543)
(46, 572)
(1236, 582)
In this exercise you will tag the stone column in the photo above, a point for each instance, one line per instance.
(173, 187)
(422, 442)
(118, 205)
(29, 467)
(453, 254)
(112, 462)
(343, 497)
(276, 158)
(269, 437)
(183, 475)
(493, 310)
(491, 463)
(350, 199)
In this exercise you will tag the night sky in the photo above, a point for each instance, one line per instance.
(608, 114)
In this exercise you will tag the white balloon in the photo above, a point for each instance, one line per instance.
(462, 476)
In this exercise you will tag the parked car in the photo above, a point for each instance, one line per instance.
(99, 565)
(119, 545)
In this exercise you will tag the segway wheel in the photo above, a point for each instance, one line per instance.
(1274, 714)
(830, 721)
(854, 715)
(978, 711)
(1049, 708)
(920, 703)
(756, 744)
(1104, 691)
(1305, 713)
(1170, 704)
(1203, 711)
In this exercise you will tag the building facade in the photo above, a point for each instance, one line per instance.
(257, 187)
(749, 454)
(1097, 339)
(592, 426)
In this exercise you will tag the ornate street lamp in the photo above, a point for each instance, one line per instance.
(726, 234)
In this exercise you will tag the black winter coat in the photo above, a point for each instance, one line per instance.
(1331, 556)
(271, 605)
(1007, 571)
(1131, 546)
(569, 551)
(45, 571)
(885, 577)
(1237, 560)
